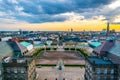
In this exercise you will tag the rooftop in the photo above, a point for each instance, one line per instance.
(82, 44)
(115, 49)
(104, 47)
(17, 46)
(99, 60)
(94, 43)
(25, 43)
(15, 60)
(5, 48)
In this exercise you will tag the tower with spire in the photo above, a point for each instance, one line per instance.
(108, 29)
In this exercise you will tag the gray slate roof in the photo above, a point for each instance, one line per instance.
(104, 47)
(5, 50)
(115, 49)
(17, 46)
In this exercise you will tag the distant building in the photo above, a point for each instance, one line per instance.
(38, 43)
(44, 39)
(20, 32)
(72, 38)
(103, 32)
(71, 30)
(49, 42)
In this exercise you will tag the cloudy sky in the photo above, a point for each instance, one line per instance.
(59, 14)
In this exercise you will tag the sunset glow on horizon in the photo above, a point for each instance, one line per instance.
(92, 25)
(59, 15)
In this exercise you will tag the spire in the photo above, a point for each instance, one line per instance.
(108, 29)
(71, 30)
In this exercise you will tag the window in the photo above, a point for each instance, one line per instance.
(119, 78)
(8, 70)
(15, 70)
(8, 76)
(22, 70)
(105, 77)
(15, 76)
(112, 77)
(98, 71)
(98, 77)
(90, 68)
(22, 77)
(0, 72)
(105, 71)
(112, 71)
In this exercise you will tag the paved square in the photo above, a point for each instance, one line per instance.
(52, 57)
(69, 73)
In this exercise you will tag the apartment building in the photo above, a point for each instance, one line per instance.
(19, 69)
(100, 69)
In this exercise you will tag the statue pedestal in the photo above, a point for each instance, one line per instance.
(60, 65)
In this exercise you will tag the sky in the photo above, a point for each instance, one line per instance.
(59, 15)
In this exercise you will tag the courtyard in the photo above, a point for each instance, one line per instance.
(67, 73)
(52, 57)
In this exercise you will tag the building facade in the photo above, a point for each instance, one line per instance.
(110, 49)
(100, 69)
(5, 50)
(19, 69)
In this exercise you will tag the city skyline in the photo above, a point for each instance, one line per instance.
(59, 15)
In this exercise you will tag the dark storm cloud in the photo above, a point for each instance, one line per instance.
(71, 5)
(45, 10)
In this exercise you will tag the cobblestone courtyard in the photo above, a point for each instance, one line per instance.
(52, 57)
(67, 73)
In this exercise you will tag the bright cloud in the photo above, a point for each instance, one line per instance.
(100, 17)
(43, 11)
(114, 5)
(116, 19)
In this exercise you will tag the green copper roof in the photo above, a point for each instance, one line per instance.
(95, 44)
(41, 44)
(115, 49)
(25, 43)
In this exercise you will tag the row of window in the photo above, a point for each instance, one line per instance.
(15, 70)
(98, 77)
(99, 70)
(104, 71)
(104, 78)
(15, 76)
